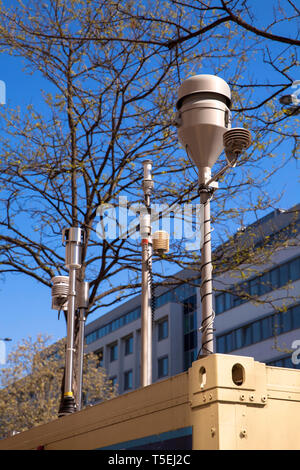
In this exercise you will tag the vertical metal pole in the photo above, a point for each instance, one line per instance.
(207, 341)
(73, 238)
(82, 306)
(146, 321)
(80, 358)
(146, 316)
(68, 390)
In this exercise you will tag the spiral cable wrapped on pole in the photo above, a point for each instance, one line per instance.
(208, 315)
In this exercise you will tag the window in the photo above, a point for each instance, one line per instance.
(254, 286)
(229, 341)
(114, 381)
(259, 285)
(276, 324)
(221, 345)
(190, 330)
(190, 304)
(163, 329)
(239, 338)
(113, 352)
(190, 314)
(90, 338)
(99, 355)
(163, 366)
(128, 380)
(296, 316)
(284, 362)
(164, 298)
(190, 321)
(256, 331)
(265, 286)
(274, 278)
(283, 274)
(128, 343)
(189, 357)
(175, 295)
(220, 303)
(286, 321)
(266, 327)
(228, 300)
(113, 325)
(190, 340)
(247, 337)
(295, 269)
(181, 293)
(237, 300)
(259, 330)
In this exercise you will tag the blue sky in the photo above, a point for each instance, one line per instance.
(25, 304)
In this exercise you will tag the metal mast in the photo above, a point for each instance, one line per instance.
(82, 303)
(146, 241)
(73, 238)
(204, 129)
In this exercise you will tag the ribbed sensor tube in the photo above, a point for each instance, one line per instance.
(59, 291)
(160, 241)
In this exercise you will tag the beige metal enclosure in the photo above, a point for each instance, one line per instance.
(222, 402)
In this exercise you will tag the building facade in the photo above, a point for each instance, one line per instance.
(260, 315)
(257, 314)
(116, 337)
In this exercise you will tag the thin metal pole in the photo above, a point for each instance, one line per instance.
(150, 318)
(146, 321)
(73, 237)
(206, 279)
(68, 389)
(80, 358)
(82, 304)
(146, 313)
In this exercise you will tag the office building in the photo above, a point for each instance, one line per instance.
(257, 309)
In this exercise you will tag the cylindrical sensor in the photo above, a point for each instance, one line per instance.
(82, 299)
(145, 225)
(73, 238)
(147, 169)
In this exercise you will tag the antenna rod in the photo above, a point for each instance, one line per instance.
(146, 241)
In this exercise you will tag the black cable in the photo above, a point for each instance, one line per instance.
(152, 286)
(153, 299)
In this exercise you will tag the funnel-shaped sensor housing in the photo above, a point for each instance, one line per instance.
(236, 141)
(203, 117)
